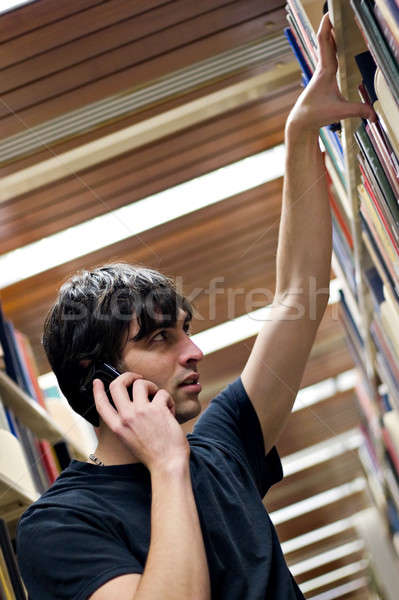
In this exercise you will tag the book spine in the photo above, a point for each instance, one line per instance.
(388, 34)
(376, 42)
(367, 148)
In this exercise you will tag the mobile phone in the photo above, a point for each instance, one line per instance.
(107, 373)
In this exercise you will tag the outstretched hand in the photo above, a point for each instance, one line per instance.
(321, 103)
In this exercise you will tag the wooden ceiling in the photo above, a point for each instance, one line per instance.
(216, 82)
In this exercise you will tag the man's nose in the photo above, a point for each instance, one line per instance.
(192, 352)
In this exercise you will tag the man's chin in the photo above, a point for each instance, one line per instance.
(188, 410)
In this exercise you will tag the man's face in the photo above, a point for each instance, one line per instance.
(167, 357)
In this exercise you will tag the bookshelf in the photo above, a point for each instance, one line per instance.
(363, 185)
(34, 416)
(38, 438)
(16, 496)
(38, 435)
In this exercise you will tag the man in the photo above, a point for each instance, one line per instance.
(155, 514)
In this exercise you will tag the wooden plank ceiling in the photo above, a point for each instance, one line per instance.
(65, 65)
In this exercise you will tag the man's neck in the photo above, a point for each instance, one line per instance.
(111, 451)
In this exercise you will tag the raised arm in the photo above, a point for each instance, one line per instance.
(276, 364)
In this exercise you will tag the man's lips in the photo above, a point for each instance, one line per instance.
(191, 378)
(191, 383)
(191, 387)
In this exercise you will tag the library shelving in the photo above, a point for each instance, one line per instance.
(38, 437)
(362, 164)
(34, 445)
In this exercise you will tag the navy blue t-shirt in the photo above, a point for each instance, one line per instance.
(93, 523)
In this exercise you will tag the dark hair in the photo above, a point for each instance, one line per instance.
(90, 321)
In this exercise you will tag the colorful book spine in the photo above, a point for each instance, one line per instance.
(40, 456)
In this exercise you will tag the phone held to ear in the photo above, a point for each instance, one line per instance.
(107, 373)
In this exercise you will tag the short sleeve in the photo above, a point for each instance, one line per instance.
(65, 554)
(231, 420)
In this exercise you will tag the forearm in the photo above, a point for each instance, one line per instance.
(305, 236)
(176, 566)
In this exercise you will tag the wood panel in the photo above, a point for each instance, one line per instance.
(314, 480)
(234, 357)
(212, 138)
(97, 29)
(362, 593)
(195, 232)
(320, 546)
(323, 516)
(147, 37)
(331, 566)
(34, 15)
(139, 174)
(62, 144)
(138, 62)
(319, 422)
(219, 228)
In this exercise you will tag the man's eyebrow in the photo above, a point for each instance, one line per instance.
(166, 324)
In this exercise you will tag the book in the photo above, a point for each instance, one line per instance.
(3, 417)
(369, 410)
(391, 422)
(380, 258)
(20, 368)
(344, 257)
(32, 372)
(389, 9)
(376, 42)
(18, 588)
(375, 285)
(306, 72)
(386, 376)
(377, 258)
(354, 339)
(339, 213)
(381, 229)
(13, 370)
(378, 175)
(389, 320)
(382, 151)
(385, 348)
(301, 45)
(388, 104)
(339, 190)
(7, 592)
(378, 233)
(394, 457)
(306, 29)
(388, 132)
(367, 68)
(388, 29)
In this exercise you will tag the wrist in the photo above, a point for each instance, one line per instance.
(298, 127)
(178, 465)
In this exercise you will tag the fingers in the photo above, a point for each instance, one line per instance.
(118, 392)
(142, 389)
(359, 109)
(164, 399)
(327, 47)
(107, 412)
